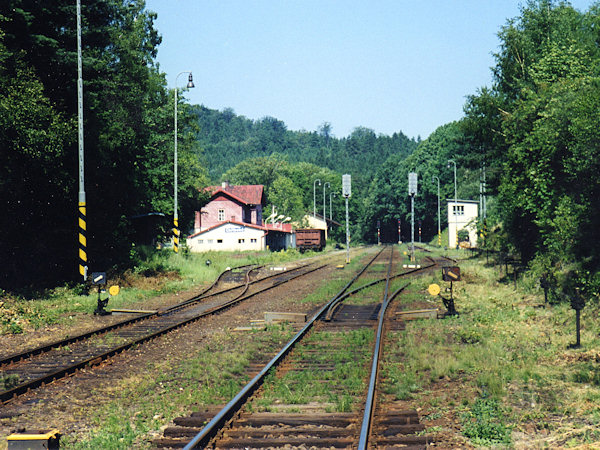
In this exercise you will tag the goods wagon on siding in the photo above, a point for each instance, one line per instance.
(310, 239)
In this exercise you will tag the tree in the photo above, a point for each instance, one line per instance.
(127, 130)
(325, 132)
(387, 199)
(539, 125)
(33, 176)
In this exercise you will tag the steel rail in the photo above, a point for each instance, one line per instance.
(333, 301)
(209, 431)
(9, 394)
(368, 415)
(203, 295)
(366, 423)
(333, 307)
(80, 337)
(224, 291)
(144, 316)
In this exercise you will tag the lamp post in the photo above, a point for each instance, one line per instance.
(331, 194)
(83, 268)
(315, 196)
(433, 179)
(175, 215)
(324, 210)
(451, 161)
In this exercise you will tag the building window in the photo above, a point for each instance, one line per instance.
(219, 241)
(209, 241)
(253, 241)
(240, 241)
(221, 215)
(458, 210)
(200, 241)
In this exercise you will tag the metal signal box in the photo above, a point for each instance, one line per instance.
(412, 183)
(346, 185)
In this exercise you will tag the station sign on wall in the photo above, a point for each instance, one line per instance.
(234, 229)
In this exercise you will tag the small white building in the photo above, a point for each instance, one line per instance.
(228, 236)
(233, 236)
(462, 215)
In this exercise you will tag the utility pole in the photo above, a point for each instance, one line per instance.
(175, 188)
(315, 197)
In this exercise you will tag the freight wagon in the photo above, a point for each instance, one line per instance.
(310, 239)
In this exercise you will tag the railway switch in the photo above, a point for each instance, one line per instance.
(451, 274)
(99, 280)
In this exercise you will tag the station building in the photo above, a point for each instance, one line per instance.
(462, 215)
(232, 220)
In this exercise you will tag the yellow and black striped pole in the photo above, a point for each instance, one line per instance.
(82, 241)
(176, 235)
(82, 204)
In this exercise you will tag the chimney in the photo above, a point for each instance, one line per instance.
(225, 184)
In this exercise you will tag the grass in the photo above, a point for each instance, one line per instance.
(506, 357)
(142, 404)
(162, 272)
(337, 281)
(338, 389)
(500, 373)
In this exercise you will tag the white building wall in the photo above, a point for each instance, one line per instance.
(228, 237)
(467, 218)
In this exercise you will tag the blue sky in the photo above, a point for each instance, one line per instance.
(389, 65)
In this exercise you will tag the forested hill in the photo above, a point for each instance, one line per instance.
(228, 139)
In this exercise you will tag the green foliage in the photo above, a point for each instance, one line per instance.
(387, 198)
(484, 423)
(289, 187)
(229, 139)
(538, 128)
(128, 137)
(9, 381)
(586, 373)
(241, 151)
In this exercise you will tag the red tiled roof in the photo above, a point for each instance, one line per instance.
(249, 194)
(284, 227)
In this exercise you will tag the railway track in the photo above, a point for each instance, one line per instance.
(314, 392)
(36, 367)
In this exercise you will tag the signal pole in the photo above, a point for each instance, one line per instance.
(347, 192)
(412, 191)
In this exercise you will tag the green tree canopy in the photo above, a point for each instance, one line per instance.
(537, 129)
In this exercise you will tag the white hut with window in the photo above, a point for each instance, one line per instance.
(462, 215)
